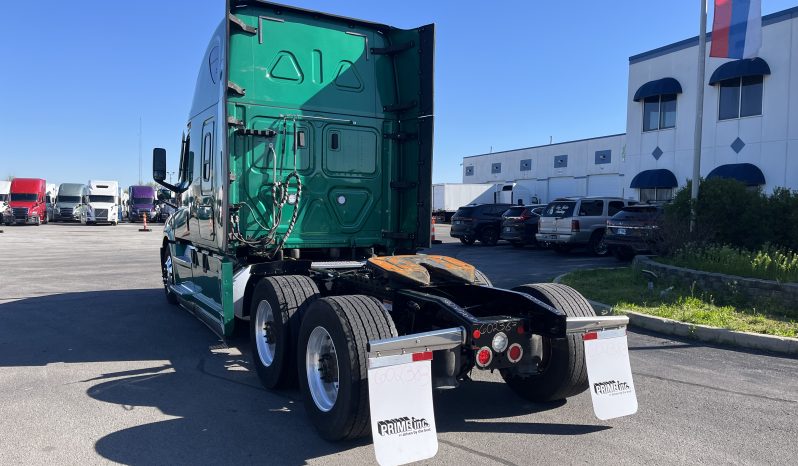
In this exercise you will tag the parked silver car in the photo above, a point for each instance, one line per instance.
(570, 222)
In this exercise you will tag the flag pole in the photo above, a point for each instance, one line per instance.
(699, 116)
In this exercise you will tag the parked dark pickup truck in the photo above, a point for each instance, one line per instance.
(633, 230)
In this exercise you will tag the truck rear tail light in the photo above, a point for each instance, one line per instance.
(484, 356)
(476, 334)
(575, 225)
(515, 353)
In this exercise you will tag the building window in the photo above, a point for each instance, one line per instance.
(560, 161)
(656, 194)
(526, 165)
(496, 168)
(659, 112)
(603, 156)
(740, 97)
(469, 171)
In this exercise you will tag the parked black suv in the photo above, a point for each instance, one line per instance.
(520, 223)
(478, 222)
(633, 230)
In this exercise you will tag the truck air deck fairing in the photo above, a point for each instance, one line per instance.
(304, 193)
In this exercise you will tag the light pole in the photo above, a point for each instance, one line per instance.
(699, 116)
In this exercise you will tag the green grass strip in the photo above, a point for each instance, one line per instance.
(623, 288)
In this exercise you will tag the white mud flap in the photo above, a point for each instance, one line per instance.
(609, 373)
(402, 415)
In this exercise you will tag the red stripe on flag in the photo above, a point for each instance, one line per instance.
(425, 356)
(720, 29)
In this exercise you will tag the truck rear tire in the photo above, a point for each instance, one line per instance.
(562, 372)
(274, 318)
(333, 362)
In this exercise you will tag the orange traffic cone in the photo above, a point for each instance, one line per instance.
(145, 224)
(434, 241)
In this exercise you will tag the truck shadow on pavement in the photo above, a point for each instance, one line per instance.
(147, 354)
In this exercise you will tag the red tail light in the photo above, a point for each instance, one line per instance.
(484, 356)
(514, 353)
(575, 225)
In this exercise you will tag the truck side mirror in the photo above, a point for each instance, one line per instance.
(158, 164)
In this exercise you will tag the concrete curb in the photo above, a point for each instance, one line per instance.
(705, 333)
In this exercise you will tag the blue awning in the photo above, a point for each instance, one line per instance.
(659, 87)
(740, 69)
(659, 178)
(747, 173)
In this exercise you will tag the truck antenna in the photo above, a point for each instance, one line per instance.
(139, 150)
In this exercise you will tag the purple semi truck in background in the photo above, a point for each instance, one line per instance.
(141, 202)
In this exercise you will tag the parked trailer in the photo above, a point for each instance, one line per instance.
(448, 197)
(305, 194)
(26, 202)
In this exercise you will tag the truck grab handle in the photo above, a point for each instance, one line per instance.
(594, 324)
(418, 342)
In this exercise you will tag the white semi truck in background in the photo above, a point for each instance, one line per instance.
(5, 189)
(52, 193)
(100, 202)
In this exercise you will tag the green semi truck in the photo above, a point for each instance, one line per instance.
(304, 196)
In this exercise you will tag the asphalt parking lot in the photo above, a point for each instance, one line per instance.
(96, 367)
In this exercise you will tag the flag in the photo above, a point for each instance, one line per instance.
(736, 29)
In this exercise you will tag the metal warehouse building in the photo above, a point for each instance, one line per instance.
(750, 128)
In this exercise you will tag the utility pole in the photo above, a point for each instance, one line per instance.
(699, 116)
(140, 179)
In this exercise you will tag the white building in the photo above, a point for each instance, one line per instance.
(577, 168)
(750, 126)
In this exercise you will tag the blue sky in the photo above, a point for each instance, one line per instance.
(78, 75)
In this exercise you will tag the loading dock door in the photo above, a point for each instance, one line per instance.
(563, 187)
(604, 185)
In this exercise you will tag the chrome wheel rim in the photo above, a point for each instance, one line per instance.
(264, 333)
(169, 279)
(321, 365)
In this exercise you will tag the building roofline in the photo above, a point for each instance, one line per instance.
(767, 20)
(546, 145)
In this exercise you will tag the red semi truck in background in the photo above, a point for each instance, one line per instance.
(26, 202)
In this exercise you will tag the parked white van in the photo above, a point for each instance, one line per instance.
(100, 202)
